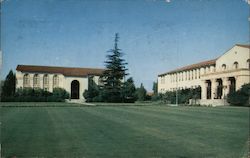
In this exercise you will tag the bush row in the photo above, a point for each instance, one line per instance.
(37, 95)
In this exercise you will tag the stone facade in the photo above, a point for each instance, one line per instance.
(215, 77)
(73, 80)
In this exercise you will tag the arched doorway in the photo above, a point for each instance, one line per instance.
(75, 89)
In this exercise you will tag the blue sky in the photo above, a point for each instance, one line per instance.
(155, 35)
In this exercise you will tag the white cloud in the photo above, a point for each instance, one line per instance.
(168, 1)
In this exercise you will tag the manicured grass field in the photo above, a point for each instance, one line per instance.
(124, 132)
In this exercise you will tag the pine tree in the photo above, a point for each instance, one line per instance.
(114, 75)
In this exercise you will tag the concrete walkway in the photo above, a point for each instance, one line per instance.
(78, 101)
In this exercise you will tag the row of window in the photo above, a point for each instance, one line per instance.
(182, 76)
(36, 81)
(235, 65)
(195, 74)
(179, 88)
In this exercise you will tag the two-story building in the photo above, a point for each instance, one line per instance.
(216, 77)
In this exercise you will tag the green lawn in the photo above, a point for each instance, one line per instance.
(124, 132)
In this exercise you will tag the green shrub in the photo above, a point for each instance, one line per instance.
(241, 97)
(37, 95)
(60, 93)
(183, 95)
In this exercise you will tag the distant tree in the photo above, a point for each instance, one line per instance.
(155, 96)
(92, 92)
(114, 75)
(155, 87)
(9, 85)
(128, 92)
(240, 97)
(141, 93)
(183, 95)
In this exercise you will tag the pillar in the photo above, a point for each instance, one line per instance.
(203, 90)
(212, 69)
(213, 88)
(31, 78)
(226, 86)
(51, 82)
(41, 85)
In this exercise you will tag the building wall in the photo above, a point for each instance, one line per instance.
(83, 84)
(235, 54)
(64, 81)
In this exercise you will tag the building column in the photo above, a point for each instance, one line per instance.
(41, 81)
(213, 88)
(203, 90)
(226, 86)
(51, 82)
(31, 78)
(237, 81)
(202, 71)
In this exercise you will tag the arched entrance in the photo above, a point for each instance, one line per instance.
(75, 89)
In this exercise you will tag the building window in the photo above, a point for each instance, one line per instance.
(248, 63)
(46, 82)
(236, 64)
(55, 81)
(224, 67)
(36, 81)
(26, 81)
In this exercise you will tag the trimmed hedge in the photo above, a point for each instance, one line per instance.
(37, 95)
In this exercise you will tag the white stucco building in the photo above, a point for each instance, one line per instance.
(73, 80)
(216, 77)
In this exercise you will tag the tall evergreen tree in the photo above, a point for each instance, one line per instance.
(114, 75)
(9, 85)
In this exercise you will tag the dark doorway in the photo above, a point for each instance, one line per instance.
(75, 89)
(232, 86)
(219, 88)
(208, 89)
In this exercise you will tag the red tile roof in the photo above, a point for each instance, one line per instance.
(243, 45)
(66, 71)
(193, 66)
